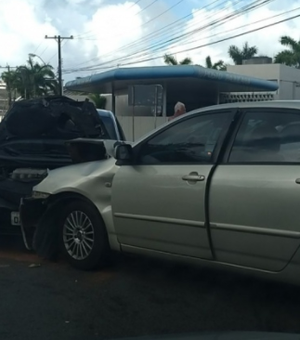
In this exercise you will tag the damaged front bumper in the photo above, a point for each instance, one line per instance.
(31, 211)
(39, 216)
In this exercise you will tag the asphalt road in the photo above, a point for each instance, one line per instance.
(134, 297)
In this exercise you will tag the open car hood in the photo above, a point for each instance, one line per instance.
(52, 117)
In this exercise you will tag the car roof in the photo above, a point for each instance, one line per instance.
(288, 104)
(105, 113)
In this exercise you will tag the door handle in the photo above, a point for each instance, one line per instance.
(297, 180)
(193, 177)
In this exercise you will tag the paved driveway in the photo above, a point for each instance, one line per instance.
(134, 297)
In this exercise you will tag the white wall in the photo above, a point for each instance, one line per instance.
(263, 71)
(142, 124)
(141, 127)
(286, 76)
(289, 82)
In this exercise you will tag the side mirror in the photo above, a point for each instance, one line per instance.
(123, 154)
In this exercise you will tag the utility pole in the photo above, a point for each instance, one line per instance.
(59, 39)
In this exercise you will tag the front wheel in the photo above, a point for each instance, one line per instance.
(83, 236)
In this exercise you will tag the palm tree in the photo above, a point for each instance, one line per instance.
(99, 101)
(220, 65)
(291, 55)
(34, 80)
(238, 55)
(171, 60)
(30, 80)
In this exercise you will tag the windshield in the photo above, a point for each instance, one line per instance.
(110, 127)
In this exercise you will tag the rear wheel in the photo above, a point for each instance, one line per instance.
(83, 236)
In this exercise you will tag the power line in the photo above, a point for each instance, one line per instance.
(224, 39)
(143, 9)
(214, 42)
(59, 39)
(217, 22)
(246, 25)
(55, 54)
(214, 24)
(38, 46)
(161, 45)
(157, 32)
(44, 50)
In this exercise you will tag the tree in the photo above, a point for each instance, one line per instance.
(238, 55)
(171, 60)
(99, 101)
(291, 55)
(220, 65)
(30, 80)
(35, 80)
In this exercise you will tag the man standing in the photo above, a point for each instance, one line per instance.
(179, 109)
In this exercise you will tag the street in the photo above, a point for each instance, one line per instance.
(133, 297)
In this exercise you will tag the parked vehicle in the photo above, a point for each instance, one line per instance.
(219, 186)
(112, 125)
(32, 142)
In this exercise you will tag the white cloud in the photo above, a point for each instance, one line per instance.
(266, 40)
(19, 30)
(101, 27)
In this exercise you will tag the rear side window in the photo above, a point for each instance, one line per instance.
(268, 136)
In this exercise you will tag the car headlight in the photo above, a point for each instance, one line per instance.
(39, 195)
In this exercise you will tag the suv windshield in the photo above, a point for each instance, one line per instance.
(110, 127)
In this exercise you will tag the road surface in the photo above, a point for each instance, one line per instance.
(134, 297)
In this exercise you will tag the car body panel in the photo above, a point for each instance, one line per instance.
(155, 208)
(33, 137)
(244, 227)
(254, 214)
(91, 180)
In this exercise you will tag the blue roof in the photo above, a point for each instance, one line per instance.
(122, 77)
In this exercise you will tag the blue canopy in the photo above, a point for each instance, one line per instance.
(201, 77)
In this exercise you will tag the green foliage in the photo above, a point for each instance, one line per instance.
(220, 65)
(238, 55)
(99, 101)
(291, 55)
(30, 80)
(171, 60)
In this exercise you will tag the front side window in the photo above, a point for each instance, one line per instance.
(268, 136)
(192, 140)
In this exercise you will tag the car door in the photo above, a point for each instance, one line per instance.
(159, 201)
(255, 194)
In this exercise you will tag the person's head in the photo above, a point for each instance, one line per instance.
(179, 109)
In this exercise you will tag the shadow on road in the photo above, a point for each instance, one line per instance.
(133, 297)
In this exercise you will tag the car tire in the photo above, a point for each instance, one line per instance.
(83, 236)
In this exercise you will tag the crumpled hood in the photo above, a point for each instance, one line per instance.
(78, 177)
(56, 117)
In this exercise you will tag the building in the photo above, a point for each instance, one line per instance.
(196, 86)
(3, 99)
(287, 78)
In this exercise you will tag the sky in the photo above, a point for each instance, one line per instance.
(118, 33)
